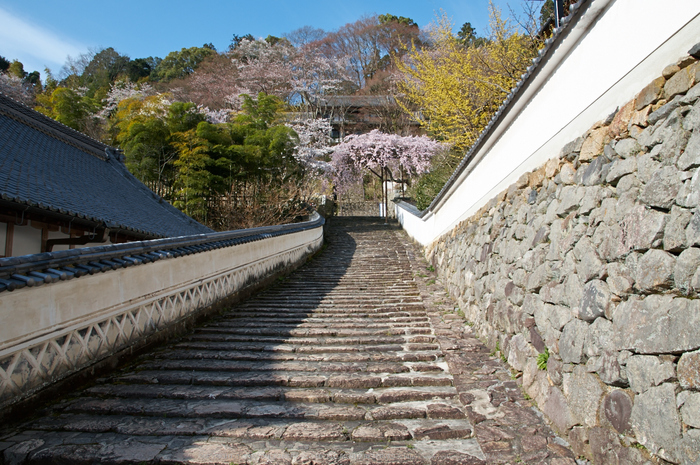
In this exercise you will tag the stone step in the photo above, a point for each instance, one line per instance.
(301, 349)
(276, 394)
(292, 379)
(255, 429)
(310, 317)
(251, 409)
(203, 354)
(299, 331)
(415, 308)
(254, 336)
(227, 365)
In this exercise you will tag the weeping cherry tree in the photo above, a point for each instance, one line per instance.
(390, 157)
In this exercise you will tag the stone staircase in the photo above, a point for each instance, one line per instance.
(356, 358)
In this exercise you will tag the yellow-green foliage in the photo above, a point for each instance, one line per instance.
(457, 88)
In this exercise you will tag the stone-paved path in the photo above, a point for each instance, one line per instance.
(356, 358)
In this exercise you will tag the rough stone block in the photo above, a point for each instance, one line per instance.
(593, 144)
(642, 228)
(607, 449)
(551, 168)
(621, 168)
(519, 351)
(599, 338)
(645, 371)
(556, 316)
(557, 410)
(688, 371)
(656, 423)
(690, 411)
(536, 177)
(674, 232)
(571, 148)
(628, 185)
(618, 126)
(572, 339)
(655, 271)
(618, 409)
(689, 448)
(609, 370)
(595, 300)
(680, 83)
(593, 173)
(539, 277)
(658, 324)
(689, 193)
(687, 265)
(691, 156)
(670, 71)
(646, 167)
(686, 61)
(531, 304)
(692, 119)
(664, 112)
(662, 188)
(583, 392)
(567, 174)
(619, 285)
(692, 231)
(627, 147)
(650, 94)
(673, 145)
(638, 120)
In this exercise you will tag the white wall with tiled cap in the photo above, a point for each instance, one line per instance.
(51, 331)
(601, 65)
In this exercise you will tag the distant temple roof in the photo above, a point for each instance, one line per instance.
(62, 173)
(357, 100)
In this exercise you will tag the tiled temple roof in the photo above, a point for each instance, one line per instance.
(49, 166)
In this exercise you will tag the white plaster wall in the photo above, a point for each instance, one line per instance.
(616, 49)
(26, 240)
(29, 313)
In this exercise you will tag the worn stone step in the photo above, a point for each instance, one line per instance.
(330, 328)
(254, 336)
(275, 394)
(248, 430)
(293, 366)
(203, 354)
(311, 317)
(293, 379)
(301, 349)
(252, 409)
(333, 308)
(368, 329)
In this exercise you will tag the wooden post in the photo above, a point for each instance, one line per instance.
(385, 189)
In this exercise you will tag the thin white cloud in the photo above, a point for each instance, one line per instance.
(33, 45)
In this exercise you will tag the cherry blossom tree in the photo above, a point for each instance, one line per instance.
(296, 75)
(382, 155)
(314, 145)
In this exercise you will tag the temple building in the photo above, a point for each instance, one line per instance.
(61, 189)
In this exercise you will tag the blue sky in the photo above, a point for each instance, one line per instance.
(42, 33)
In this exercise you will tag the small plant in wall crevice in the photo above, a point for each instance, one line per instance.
(542, 359)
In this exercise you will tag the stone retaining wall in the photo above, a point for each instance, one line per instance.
(592, 259)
